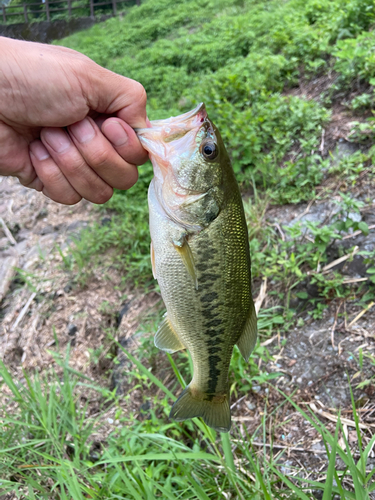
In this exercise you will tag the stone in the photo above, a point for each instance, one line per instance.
(72, 329)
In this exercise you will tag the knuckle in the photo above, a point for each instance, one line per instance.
(100, 158)
(140, 93)
(51, 177)
(71, 166)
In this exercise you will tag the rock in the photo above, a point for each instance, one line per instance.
(74, 229)
(42, 213)
(343, 149)
(40, 250)
(144, 413)
(120, 373)
(49, 229)
(72, 329)
(251, 406)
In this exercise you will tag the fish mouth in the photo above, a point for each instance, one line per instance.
(184, 122)
(172, 138)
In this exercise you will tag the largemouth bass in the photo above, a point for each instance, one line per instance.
(200, 257)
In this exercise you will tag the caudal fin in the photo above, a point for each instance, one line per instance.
(214, 414)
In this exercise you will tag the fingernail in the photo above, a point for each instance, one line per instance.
(116, 133)
(83, 131)
(57, 139)
(38, 150)
(148, 123)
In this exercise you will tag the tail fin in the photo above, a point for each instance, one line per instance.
(214, 414)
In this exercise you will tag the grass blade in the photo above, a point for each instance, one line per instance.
(332, 464)
(146, 372)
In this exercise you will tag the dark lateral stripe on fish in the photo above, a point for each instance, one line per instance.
(213, 350)
(201, 267)
(206, 250)
(209, 297)
(214, 322)
(213, 337)
(207, 277)
(211, 309)
(213, 341)
(214, 373)
(210, 313)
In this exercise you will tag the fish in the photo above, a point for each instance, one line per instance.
(201, 259)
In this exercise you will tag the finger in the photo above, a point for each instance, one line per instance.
(80, 176)
(125, 141)
(53, 182)
(101, 156)
(36, 184)
(110, 93)
(15, 159)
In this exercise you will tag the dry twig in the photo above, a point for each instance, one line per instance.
(8, 234)
(361, 314)
(334, 418)
(23, 312)
(262, 295)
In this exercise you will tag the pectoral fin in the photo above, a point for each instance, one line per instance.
(248, 339)
(166, 338)
(186, 255)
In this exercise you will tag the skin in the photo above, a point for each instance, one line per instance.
(66, 123)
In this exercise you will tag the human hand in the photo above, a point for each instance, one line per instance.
(66, 123)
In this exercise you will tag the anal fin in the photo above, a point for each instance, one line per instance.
(166, 338)
(248, 339)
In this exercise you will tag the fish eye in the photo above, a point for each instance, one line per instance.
(209, 150)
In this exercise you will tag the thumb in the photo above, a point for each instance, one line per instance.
(114, 94)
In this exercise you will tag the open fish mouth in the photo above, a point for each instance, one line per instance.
(173, 137)
(186, 122)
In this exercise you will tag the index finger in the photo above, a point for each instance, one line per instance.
(113, 94)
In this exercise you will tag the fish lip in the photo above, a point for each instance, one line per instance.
(161, 137)
(199, 111)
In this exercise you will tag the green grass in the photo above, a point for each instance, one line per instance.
(245, 59)
(47, 448)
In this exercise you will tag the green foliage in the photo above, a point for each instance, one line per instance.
(244, 59)
(237, 58)
(46, 448)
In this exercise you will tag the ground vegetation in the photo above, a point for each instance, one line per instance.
(290, 85)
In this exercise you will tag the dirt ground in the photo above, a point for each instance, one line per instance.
(42, 311)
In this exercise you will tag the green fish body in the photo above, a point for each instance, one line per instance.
(200, 256)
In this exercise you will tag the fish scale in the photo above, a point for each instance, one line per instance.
(201, 261)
